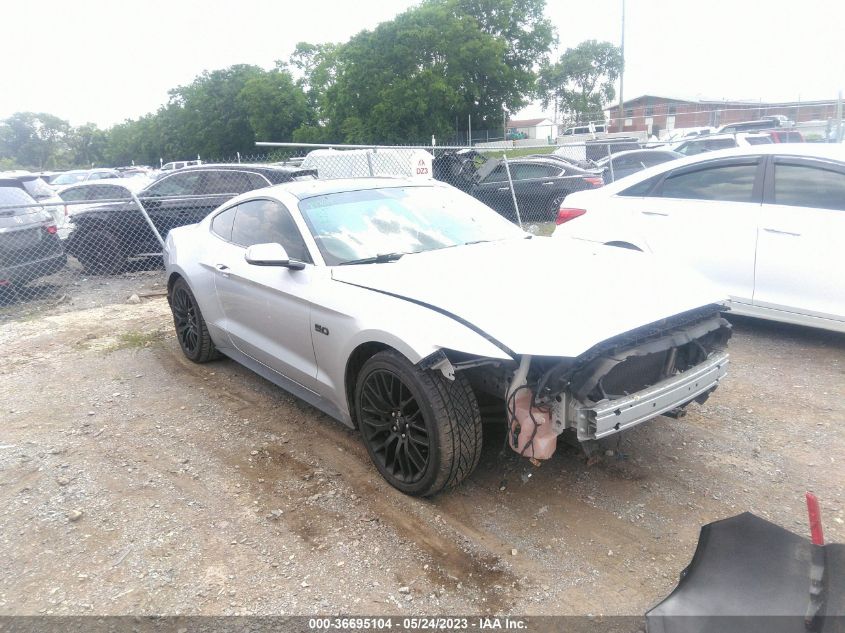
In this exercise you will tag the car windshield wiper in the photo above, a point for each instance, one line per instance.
(381, 258)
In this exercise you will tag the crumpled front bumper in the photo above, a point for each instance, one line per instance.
(612, 416)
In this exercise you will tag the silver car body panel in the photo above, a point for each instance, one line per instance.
(495, 300)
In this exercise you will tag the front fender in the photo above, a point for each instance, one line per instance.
(413, 330)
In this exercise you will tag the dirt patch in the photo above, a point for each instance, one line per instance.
(133, 481)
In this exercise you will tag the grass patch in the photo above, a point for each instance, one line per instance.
(539, 228)
(136, 340)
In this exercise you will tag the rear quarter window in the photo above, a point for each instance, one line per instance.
(223, 222)
(641, 188)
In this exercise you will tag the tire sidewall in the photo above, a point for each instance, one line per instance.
(181, 284)
(108, 244)
(412, 379)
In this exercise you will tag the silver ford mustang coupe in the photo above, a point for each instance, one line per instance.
(396, 306)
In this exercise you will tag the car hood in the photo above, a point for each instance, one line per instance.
(540, 296)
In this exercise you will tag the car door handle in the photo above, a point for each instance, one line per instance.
(665, 215)
(221, 267)
(779, 232)
(503, 189)
(549, 184)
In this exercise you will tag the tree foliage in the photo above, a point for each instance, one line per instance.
(33, 139)
(274, 105)
(581, 82)
(421, 74)
(428, 69)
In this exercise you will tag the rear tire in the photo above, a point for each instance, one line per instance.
(191, 329)
(422, 430)
(100, 253)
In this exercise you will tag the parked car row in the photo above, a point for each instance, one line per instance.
(741, 205)
(99, 224)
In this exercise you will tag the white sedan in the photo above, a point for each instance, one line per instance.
(765, 223)
(394, 305)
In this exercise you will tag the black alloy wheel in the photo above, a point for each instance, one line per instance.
(185, 319)
(191, 329)
(393, 426)
(421, 429)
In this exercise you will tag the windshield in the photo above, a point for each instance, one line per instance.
(14, 195)
(38, 189)
(360, 224)
(69, 178)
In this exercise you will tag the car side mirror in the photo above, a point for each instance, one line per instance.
(271, 254)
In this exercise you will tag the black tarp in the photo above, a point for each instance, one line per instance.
(751, 576)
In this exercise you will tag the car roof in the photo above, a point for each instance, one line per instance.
(17, 178)
(130, 183)
(303, 189)
(241, 167)
(651, 150)
(830, 151)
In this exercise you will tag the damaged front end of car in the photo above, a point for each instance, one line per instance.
(654, 370)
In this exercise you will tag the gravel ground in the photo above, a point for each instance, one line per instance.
(134, 482)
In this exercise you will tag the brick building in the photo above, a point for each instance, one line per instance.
(651, 112)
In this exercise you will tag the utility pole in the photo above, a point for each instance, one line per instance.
(469, 130)
(622, 76)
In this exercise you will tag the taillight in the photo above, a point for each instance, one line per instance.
(565, 215)
(51, 229)
(596, 181)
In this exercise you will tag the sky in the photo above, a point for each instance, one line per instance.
(104, 62)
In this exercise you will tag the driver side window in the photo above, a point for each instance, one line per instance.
(263, 221)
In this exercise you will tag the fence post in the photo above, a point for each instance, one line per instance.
(147, 218)
(513, 193)
(610, 163)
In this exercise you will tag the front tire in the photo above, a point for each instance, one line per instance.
(100, 253)
(191, 329)
(422, 430)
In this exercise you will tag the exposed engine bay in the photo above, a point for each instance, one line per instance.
(657, 369)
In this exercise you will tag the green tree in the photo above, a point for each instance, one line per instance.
(316, 65)
(581, 83)
(34, 140)
(417, 74)
(87, 145)
(275, 106)
(208, 116)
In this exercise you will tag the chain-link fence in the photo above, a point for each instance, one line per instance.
(96, 241)
(527, 186)
(91, 242)
(100, 241)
